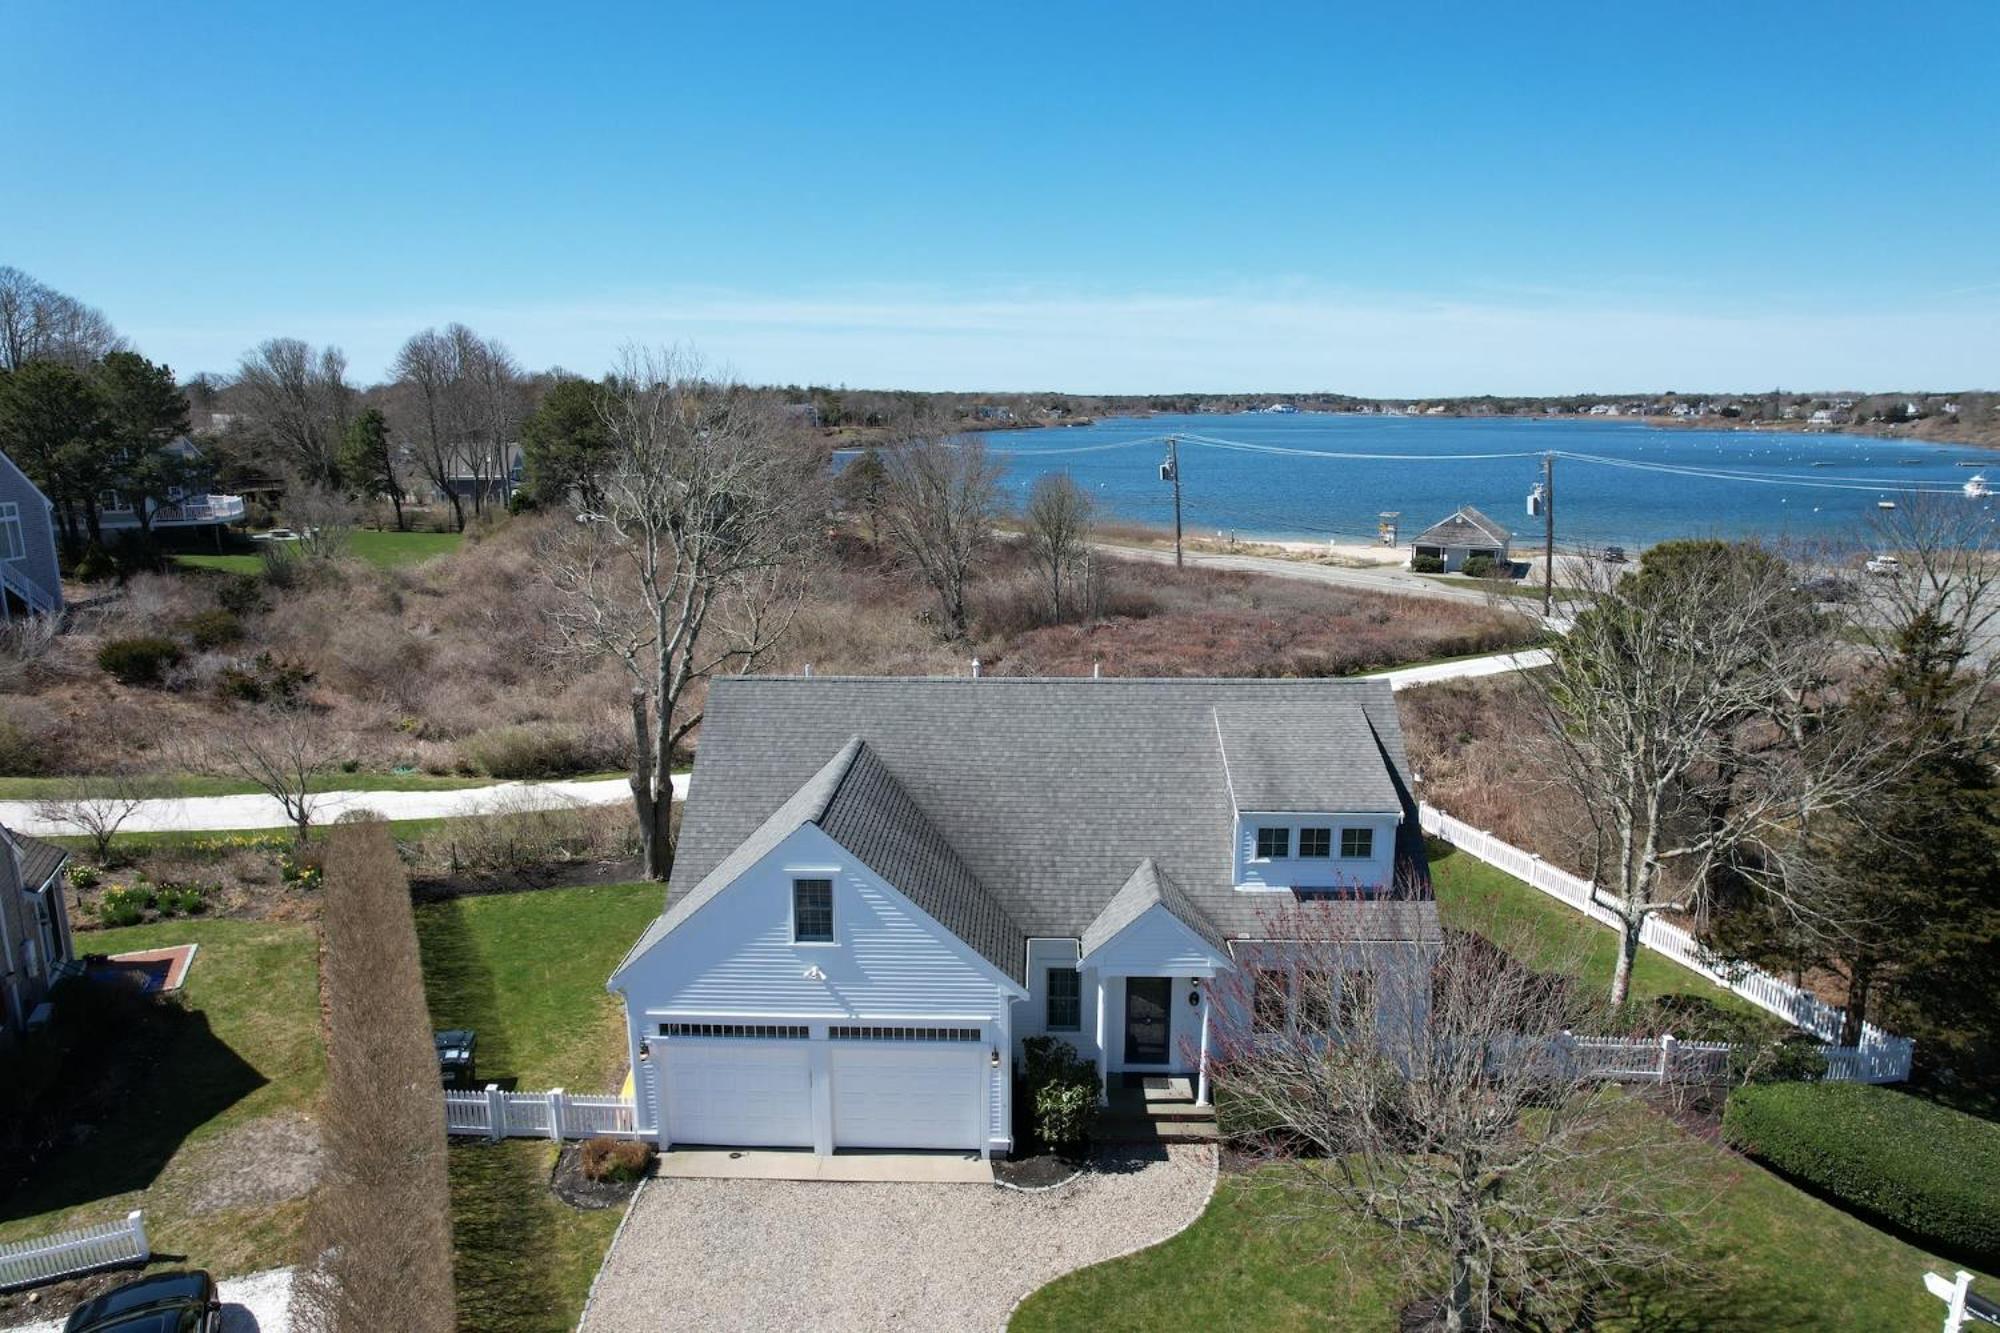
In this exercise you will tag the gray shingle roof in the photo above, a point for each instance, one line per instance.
(1305, 755)
(39, 860)
(873, 817)
(1149, 886)
(1466, 527)
(1048, 791)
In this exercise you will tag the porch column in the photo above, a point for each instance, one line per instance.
(1103, 1046)
(1201, 1074)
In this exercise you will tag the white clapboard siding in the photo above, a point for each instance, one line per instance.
(1882, 1057)
(29, 1263)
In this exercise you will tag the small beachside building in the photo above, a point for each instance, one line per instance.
(1465, 534)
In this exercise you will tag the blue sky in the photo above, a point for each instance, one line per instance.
(1393, 200)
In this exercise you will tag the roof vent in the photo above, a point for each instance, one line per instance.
(975, 668)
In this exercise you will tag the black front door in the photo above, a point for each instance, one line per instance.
(1147, 1002)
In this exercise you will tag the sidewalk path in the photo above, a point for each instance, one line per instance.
(1391, 579)
(197, 813)
(1464, 669)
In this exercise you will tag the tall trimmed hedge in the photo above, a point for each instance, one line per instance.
(1929, 1170)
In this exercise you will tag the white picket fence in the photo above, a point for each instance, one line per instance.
(554, 1114)
(1882, 1057)
(29, 1263)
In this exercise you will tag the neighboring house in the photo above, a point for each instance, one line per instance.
(183, 508)
(30, 579)
(501, 477)
(1465, 534)
(34, 926)
(883, 886)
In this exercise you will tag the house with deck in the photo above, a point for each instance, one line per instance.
(30, 576)
(1461, 536)
(34, 927)
(884, 886)
(181, 506)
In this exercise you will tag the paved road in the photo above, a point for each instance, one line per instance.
(192, 813)
(1463, 669)
(1392, 579)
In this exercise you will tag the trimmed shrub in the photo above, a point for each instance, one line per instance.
(1480, 566)
(1927, 1170)
(1062, 1091)
(1426, 564)
(141, 660)
(614, 1159)
(214, 629)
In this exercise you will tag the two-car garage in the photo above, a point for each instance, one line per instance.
(839, 1086)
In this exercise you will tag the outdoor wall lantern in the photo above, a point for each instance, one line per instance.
(996, 1057)
(1194, 993)
(645, 1050)
(814, 974)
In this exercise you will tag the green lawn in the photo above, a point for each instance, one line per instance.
(377, 548)
(248, 1050)
(1776, 1258)
(1486, 900)
(527, 972)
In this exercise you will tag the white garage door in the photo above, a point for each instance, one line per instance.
(751, 1094)
(913, 1094)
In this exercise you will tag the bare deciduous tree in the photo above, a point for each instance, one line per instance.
(299, 395)
(38, 323)
(98, 806)
(1434, 1090)
(467, 404)
(940, 500)
(714, 505)
(281, 750)
(379, 1224)
(1058, 519)
(1692, 712)
(324, 519)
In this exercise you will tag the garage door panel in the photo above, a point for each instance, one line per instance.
(915, 1095)
(748, 1094)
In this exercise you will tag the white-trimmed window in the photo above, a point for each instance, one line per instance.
(812, 911)
(1315, 842)
(1357, 844)
(738, 1031)
(111, 502)
(13, 537)
(1065, 1012)
(1274, 842)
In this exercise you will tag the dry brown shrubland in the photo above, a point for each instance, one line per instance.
(1474, 743)
(441, 665)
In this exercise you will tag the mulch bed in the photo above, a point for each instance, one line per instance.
(1037, 1171)
(54, 1300)
(568, 1182)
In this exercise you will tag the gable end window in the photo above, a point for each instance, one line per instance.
(1273, 842)
(1315, 842)
(1065, 1000)
(1357, 844)
(812, 911)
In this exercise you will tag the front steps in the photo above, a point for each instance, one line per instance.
(1153, 1109)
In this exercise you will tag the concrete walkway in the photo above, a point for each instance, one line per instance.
(914, 1168)
(197, 813)
(1468, 668)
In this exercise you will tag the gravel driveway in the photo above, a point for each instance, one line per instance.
(755, 1254)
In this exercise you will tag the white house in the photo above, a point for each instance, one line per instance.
(883, 886)
(1462, 535)
(182, 508)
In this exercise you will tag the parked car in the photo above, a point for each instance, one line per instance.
(179, 1302)
(1613, 555)
(1883, 564)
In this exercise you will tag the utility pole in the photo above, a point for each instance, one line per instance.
(1548, 534)
(1171, 471)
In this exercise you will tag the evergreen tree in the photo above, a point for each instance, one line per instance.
(52, 424)
(566, 445)
(145, 416)
(368, 460)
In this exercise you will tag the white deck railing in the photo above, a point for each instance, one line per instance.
(1882, 1057)
(554, 1114)
(29, 1263)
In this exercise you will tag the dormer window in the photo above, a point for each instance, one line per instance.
(812, 911)
(1315, 843)
(1273, 843)
(1357, 844)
